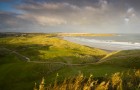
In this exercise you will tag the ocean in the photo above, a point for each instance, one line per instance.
(116, 42)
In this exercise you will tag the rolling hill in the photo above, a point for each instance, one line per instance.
(125, 58)
(24, 60)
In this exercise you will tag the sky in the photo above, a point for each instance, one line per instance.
(83, 16)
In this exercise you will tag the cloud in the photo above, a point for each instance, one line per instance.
(43, 20)
(63, 15)
(11, 21)
(64, 12)
(6, 19)
(51, 21)
(88, 15)
(47, 6)
(131, 12)
(103, 4)
(126, 20)
(6, 0)
(130, 15)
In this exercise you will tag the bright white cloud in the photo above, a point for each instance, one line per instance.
(51, 21)
(126, 20)
(43, 20)
(130, 14)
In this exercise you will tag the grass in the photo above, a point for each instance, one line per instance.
(117, 81)
(15, 75)
(51, 49)
(126, 58)
(18, 74)
(96, 70)
(7, 57)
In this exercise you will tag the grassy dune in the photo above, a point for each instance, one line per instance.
(25, 60)
(126, 58)
(83, 34)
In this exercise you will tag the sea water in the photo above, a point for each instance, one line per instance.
(115, 42)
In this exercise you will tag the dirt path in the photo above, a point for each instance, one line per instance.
(20, 55)
(67, 64)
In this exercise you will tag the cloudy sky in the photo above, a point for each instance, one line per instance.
(93, 16)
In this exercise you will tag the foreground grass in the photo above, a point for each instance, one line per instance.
(117, 81)
(21, 76)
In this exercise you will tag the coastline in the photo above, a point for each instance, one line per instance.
(91, 46)
(106, 46)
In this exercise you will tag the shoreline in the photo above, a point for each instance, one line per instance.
(102, 46)
(90, 46)
(107, 50)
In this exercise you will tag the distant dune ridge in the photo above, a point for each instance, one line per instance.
(83, 34)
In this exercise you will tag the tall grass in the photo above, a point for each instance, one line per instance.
(117, 81)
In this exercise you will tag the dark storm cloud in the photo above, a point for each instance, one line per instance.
(11, 21)
(7, 19)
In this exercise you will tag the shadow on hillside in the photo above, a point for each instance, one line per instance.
(22, 51)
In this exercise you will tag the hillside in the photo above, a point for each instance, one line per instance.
(44, 48)
(24, 60)
(125, 58)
